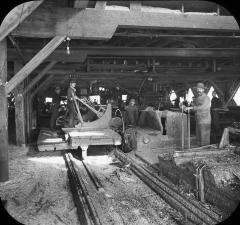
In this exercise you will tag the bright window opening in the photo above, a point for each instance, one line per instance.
(124, 98)
(95, 98)
(181, 99)
(101, 89)
(48, 100)
(236, 97)
(189, 95)
(173, 95)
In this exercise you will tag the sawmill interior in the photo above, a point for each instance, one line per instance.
(119, 112)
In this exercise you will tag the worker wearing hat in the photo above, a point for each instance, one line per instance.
(70, 102)
(131, 113)
(56, 98)
(201, 107)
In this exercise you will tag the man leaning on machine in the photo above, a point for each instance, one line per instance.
(201, 106)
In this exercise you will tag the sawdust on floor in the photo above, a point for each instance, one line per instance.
(37, 191)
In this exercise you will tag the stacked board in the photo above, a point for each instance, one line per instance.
(50, 141)
(79, 138)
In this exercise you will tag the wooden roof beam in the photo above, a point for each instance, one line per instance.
(80, 54)
(34, 63)
(91, 23)
(17, 16)
(101, 75)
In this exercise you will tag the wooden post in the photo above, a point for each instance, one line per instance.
(4, 170)
(19, 110)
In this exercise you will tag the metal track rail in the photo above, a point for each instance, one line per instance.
(86, 211)
(193, 212)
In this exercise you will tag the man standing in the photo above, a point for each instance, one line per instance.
(70, 102)
(55, 106)
(201, 107)
(131, 113)
(215, 102)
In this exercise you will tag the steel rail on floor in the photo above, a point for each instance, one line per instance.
(193, 212)
(86, 211)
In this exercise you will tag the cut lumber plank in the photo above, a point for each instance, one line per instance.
(203, 152)
(49, 141)
(16, 16)
(225, 138)
(34, 62)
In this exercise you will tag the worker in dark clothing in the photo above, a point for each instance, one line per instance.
(201, 106)
(70, 102)
(131, 113)
(215, 102)
(56, 98)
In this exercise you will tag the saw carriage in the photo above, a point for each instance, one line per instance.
(84, 133)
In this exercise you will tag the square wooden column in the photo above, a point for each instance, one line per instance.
(19, 110)
(4, 170)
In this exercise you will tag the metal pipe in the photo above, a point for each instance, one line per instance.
(201, 184)
(188, 131)
(123, 126)
(182, 129)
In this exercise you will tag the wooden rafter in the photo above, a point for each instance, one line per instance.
(39, 76)
(47, 80)
(190, 76)
(80, 54)
(217, 89)
(17, 16)
(16, 46)
(233, 93)
(91, 23)
(34, 62)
